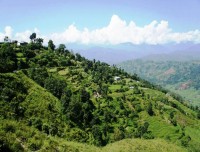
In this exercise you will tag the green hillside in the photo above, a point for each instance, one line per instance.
(55, 100)
(181, 77)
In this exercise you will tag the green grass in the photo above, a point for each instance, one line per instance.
(134, 145)
(191, 95)
(29, 138)
(19, 55)
(38, 121)
(194, 134)
(163, 129)
(52, 70)
(114, 87)
(63, 72)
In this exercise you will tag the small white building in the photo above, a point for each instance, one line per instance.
(116, 78)
(22, 43)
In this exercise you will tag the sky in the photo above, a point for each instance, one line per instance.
(102, 21)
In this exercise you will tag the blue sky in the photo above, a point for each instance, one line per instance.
(53, 17)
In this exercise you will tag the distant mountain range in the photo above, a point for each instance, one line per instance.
(127, 51)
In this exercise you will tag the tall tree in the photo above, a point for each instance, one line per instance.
(39, 42)
(55, 86)
(150, 109)
(51, 46)
(33, 36)
(61, 48)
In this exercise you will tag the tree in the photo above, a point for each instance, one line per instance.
(149, 109)
(61, 48)
(78, 57)
(141, 130)
(6, 39)
(198, 114)
(33, 36)
(79, 109)
(118, 134)
(97, 134)
(8, 59)
(66, 98)
(39, 41)
(39, 75)
(51, 46)
(55, 86)
(21, 64)
(84, 95)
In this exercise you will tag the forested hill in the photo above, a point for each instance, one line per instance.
(54, 100)
(181, 77)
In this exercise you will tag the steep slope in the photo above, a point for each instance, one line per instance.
(54, 97)
(177, 76)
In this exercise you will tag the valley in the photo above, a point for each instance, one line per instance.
(181, 77)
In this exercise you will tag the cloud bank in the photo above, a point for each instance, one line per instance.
(116, 32)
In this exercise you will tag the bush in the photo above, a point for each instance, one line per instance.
(9, 128)
(138, 108)
(148, 135)
(35, 145)
(118, 134)
(150, 109)
(77, 135)
(185, 140)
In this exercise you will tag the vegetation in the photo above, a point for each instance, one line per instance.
(54, 100)
(181, 77)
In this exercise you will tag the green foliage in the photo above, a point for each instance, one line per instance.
(12, 94)
(60, 97)
(8, 60)
(181, 77)
(39, 75)
(33, 36)
(185, 140)
(77, 135)
(118, 134)
(61, 48)
(51, 46)
(150, 109)
(80, 108)
(198, 114)
(55, 86)
(142, 131)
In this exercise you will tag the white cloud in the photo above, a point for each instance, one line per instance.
(7, 32)
(24, 36)
(117, 31)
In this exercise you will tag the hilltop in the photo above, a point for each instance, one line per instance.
(54, 100)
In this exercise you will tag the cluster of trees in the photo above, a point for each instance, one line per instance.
(80, 111)
(11, 61)
(8, 59)
(36, 43)
(12, 93)
(89, 119)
